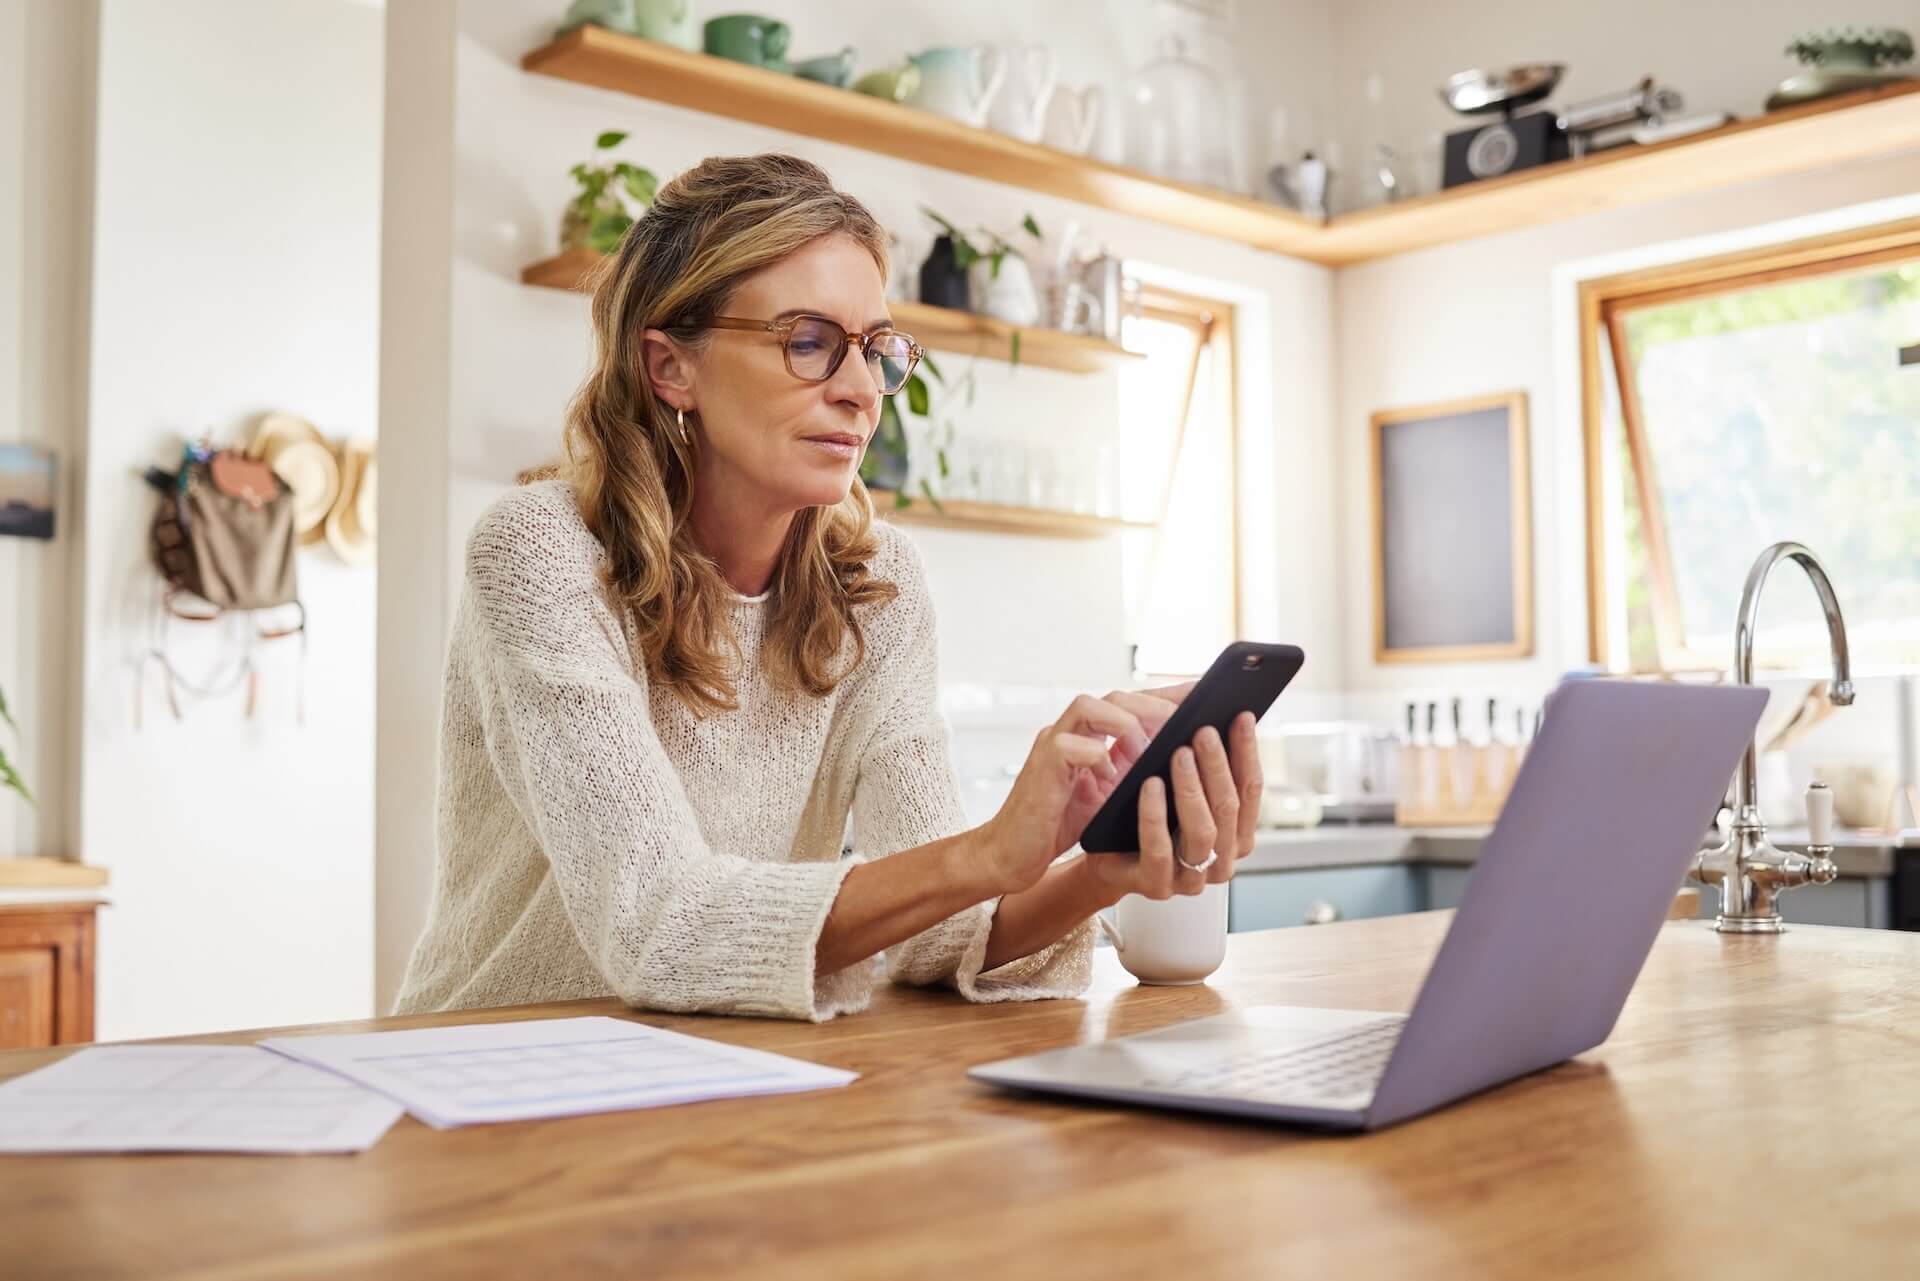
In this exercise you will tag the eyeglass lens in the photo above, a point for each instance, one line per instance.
(816, 346)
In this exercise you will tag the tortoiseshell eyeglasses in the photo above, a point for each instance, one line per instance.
(815, 347)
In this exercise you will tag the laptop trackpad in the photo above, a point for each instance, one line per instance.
(1172, 1052)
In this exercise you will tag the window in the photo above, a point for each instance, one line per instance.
(1177, 470)
(1743, 402)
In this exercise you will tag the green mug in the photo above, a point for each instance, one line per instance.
(834, 69)
(895, 84)
(749, 38)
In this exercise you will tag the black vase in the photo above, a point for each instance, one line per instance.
(943, 283)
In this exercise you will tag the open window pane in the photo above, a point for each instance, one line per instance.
(1781, 412)
(1179, 577)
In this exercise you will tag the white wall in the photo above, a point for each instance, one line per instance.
(1020, 617)
(236, 259)
(46, 155)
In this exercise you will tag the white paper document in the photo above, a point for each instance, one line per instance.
(188, 1098)
(479, 1072)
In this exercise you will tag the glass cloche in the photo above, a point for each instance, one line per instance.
(1176, 120)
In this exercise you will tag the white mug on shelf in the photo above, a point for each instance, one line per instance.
(1020, 108)
(1170, 942)
(1072, 115)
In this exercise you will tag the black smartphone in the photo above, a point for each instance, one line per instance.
(1247, 677)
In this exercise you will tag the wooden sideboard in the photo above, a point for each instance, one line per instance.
(46, 974)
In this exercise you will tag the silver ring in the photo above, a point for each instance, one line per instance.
(1212, 858)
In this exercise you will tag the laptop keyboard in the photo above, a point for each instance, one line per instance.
(1342, 1068)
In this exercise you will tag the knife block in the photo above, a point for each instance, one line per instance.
(1456, 786)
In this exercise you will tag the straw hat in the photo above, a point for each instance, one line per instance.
(351, 524)
(299, 456)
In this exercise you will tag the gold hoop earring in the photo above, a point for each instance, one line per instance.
(680, 417)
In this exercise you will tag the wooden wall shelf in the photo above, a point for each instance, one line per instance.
(649, 69)
(994, 518)
(938, 328)
(1849, 127)
(49, 873)
(1873, 122)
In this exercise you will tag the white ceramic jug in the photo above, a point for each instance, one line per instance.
(1071, 117)
(958, 83)
(1020, 108)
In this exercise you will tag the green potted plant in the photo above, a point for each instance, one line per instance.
(9, 777)
(885, 465)
(1001, 284)
(611, 195)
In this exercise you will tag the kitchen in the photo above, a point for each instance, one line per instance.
(1108, 507)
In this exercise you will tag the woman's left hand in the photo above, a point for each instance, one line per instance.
(1216, 793)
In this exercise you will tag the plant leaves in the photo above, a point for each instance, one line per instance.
(940, 457)
(579, 172)
(958, 235)
(641, 184)
(926, 487)
(1033, 228)
(607, 229)
(993, 272)
(964, 254)
(611, 138)
(927, 363)
(918, 399)
(1013, 349)
(901, 499)
(9, 779)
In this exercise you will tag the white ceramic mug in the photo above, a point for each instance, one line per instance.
(1170, 942)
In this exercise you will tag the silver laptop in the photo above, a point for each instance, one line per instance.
(1564, 904)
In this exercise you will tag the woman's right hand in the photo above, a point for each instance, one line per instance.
(1068, 773)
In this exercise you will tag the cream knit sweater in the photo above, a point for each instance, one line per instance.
(596, 838)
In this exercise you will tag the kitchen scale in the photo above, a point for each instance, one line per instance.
(1523, 139)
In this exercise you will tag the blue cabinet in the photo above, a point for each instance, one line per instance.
(1269, 900)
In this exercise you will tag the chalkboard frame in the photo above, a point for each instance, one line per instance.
(1519, 641)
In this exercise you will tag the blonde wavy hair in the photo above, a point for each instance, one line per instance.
(706, 231)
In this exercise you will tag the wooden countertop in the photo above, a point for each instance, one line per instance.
(1754, 1111)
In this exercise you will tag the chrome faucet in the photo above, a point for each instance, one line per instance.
(1748, 869)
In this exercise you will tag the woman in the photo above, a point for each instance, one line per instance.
(677, 669)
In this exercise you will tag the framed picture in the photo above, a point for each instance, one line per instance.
(1453, 532)
(26, 492)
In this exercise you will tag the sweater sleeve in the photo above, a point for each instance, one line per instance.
(908, 794)
(670, 923)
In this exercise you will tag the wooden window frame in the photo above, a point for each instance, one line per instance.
(1604, 302)
(1520, 514)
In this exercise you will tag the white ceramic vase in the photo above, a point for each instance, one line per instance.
(1010, 296)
